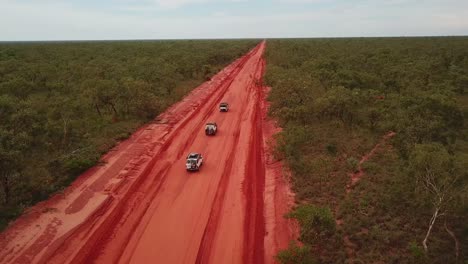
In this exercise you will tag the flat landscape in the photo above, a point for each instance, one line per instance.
(333, 150)
(140, 204)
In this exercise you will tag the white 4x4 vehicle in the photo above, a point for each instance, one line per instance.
(223, 107)
(211, 129)
(194, 162)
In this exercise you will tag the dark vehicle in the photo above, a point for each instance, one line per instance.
(223, 107)
(211, 129)
(194, 162)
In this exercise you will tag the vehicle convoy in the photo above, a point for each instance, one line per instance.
(194, 161)
(211, 129)
(220, 214)
(223, 107)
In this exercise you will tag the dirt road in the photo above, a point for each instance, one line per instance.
(142, 206)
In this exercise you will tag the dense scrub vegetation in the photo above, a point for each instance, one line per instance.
(62, 105)
(344, 95)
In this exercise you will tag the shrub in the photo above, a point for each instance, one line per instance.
(77, 165)
(370, 167)
(417, 252)
(316, 223)
(353, 164)
(331, 148)
(296, 254)
(8, 213)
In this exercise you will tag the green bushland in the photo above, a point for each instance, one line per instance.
(343, 96)
(64, 104)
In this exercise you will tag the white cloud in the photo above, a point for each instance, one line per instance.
(177, 3)
(181, 3)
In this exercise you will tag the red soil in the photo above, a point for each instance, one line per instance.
(279, 199)
(141, 206)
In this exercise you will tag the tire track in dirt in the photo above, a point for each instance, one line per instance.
(93, 249)
(210, 229)
(254, 227)
(208, 239)
(188, 235)
(254, 183)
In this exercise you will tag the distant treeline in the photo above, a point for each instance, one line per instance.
(63, 104)
(343, 96)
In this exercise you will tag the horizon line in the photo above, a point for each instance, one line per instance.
(246, 38)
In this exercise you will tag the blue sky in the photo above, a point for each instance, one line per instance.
(175, 19)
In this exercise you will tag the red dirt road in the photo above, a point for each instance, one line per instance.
(141, 206)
